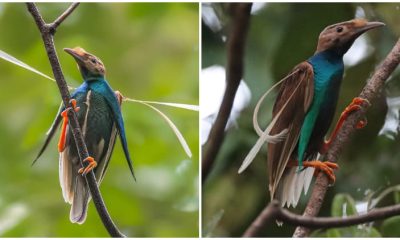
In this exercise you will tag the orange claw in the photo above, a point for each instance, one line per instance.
(92, 164)
(355, 105)
(64, 114)
(326, 167)
(362, 123)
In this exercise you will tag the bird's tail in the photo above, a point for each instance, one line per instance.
(73, 187)
(292, 184)
(80, 202)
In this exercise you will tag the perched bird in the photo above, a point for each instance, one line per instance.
(303, 112)
(98, 110)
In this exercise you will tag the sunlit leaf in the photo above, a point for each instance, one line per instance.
(12, 216)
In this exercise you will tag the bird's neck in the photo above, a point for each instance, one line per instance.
(91, 78)
(331, 55)
(327, 59)
(328, 67)
(88, 76)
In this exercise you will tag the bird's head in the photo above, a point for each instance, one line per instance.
(340, 36)
(89, 65)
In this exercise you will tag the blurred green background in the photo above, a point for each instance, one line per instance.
(282, 35)
(151, 52)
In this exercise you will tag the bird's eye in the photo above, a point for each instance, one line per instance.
(93, 60)
(339, 29)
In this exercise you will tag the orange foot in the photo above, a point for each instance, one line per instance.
(92, 164)
(64, 114)
(326, 167)
(355, 105)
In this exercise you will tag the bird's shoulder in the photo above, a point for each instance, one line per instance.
(298, 86)
(103, 88)
(81, 90)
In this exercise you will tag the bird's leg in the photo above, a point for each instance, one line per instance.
(355, 105)
(64, 114)
(92, 164)
(326, 167)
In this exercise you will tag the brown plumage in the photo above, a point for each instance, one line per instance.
(295, 96)
(303, 112)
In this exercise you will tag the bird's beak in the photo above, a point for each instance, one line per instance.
(78, 53)
(362, 28)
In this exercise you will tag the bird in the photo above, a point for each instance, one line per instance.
(303, 112)
(98, 109)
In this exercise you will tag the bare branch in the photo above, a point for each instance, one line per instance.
(370, 92)
(274, 212)
(234, 73)
(63, 16)
(47, 36)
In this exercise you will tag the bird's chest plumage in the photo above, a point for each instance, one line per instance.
(95, 118)
(328, 72)
(327, 80)
(97, 124)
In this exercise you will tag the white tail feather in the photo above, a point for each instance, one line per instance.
(265, 135)
(257, 108)
(174, 129)
(293, 185)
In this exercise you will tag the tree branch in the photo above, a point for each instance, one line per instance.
(274, 212)
(63, 16)
(234, 72)
(370, 92)
(47, 31)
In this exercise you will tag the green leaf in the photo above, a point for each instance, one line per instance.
(373, 232)
(333, 233)
(354, 231)
(343, 205)
(391, 227)
(384, 194)
(396, 196)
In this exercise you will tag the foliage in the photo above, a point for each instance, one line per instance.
(151, 53)
(281, 36)
(343, 205)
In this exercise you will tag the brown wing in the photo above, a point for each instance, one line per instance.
(291, 105)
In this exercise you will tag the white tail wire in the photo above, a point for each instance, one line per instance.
(265, 135)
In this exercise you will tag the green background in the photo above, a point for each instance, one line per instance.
(282, 35)
(151, 52)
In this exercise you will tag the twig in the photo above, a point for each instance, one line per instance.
(63, 16)
(370, 92)
(234, 73)
(274, 212)
(47, 31)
